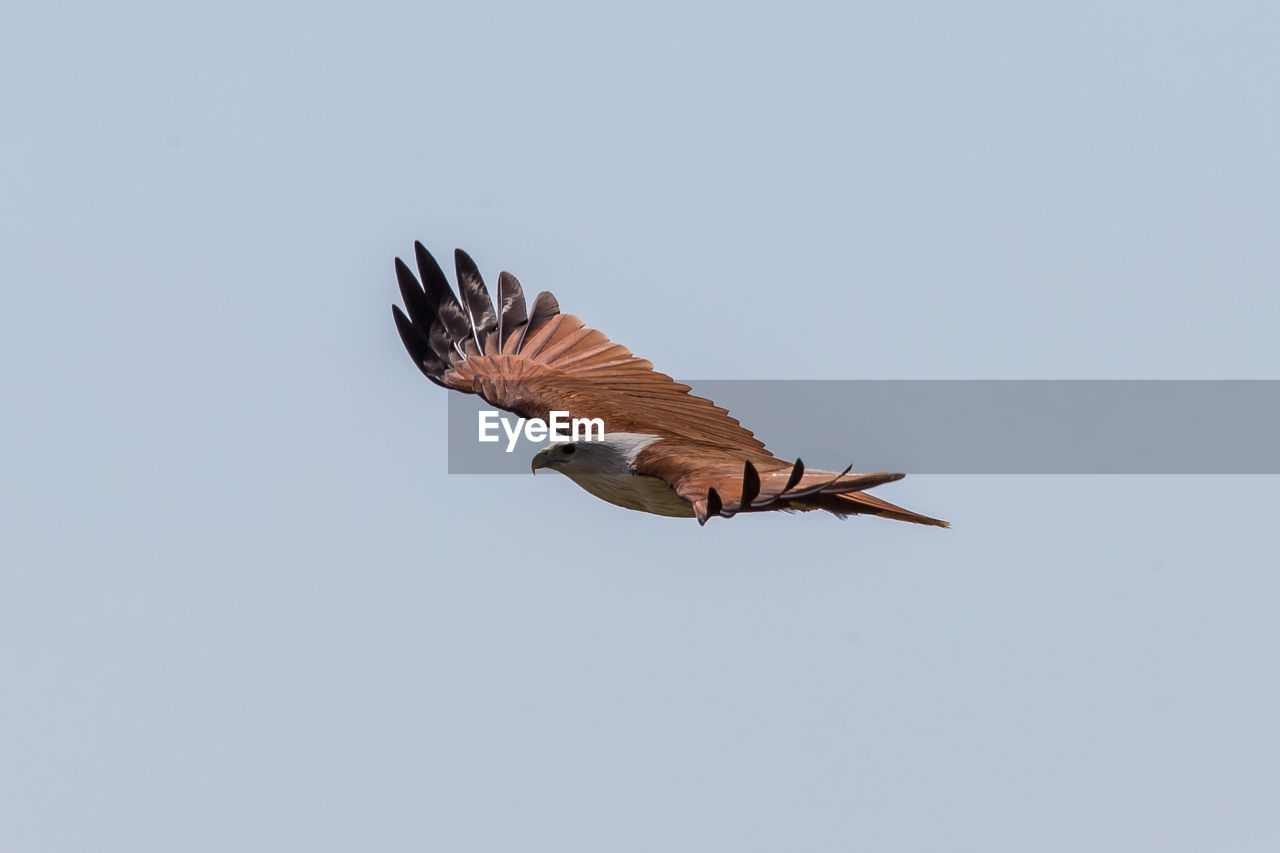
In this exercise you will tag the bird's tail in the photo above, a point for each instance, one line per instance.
(861, 503)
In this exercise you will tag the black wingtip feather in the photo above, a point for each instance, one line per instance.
(544, 308)
(420, 309)
(511, 308)
(750, 485)
(434, 281)
(797, 472)
(418, 348)
(433, 278)
(475, 296)
(443, 301)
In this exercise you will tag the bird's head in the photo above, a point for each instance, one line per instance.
(559, 455)
(612, 454)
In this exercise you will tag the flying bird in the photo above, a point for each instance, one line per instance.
(665, 451)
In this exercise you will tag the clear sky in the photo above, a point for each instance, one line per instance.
(243, 607)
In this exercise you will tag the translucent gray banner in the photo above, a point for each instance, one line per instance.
(967, 426)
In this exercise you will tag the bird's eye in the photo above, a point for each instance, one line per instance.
(568, 448)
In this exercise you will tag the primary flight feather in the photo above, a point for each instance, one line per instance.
(664, 451)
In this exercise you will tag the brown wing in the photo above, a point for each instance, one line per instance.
(724, 484)
(532, 363)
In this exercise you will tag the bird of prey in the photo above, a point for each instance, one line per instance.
(664, 450)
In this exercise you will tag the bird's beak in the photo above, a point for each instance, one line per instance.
(541, 459)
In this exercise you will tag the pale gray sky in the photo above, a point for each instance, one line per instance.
(242, 606)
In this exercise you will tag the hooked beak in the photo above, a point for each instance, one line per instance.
(541, 459)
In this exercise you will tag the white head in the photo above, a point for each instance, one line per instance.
(612, 454)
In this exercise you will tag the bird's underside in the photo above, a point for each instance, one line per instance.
(535, 360)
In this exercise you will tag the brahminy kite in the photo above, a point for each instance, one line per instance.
(664, 451)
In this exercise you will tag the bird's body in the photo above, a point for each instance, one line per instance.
(606, 469)
(665, 451)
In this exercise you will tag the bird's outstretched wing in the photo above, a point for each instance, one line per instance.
(534, 362)
(720, 484)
